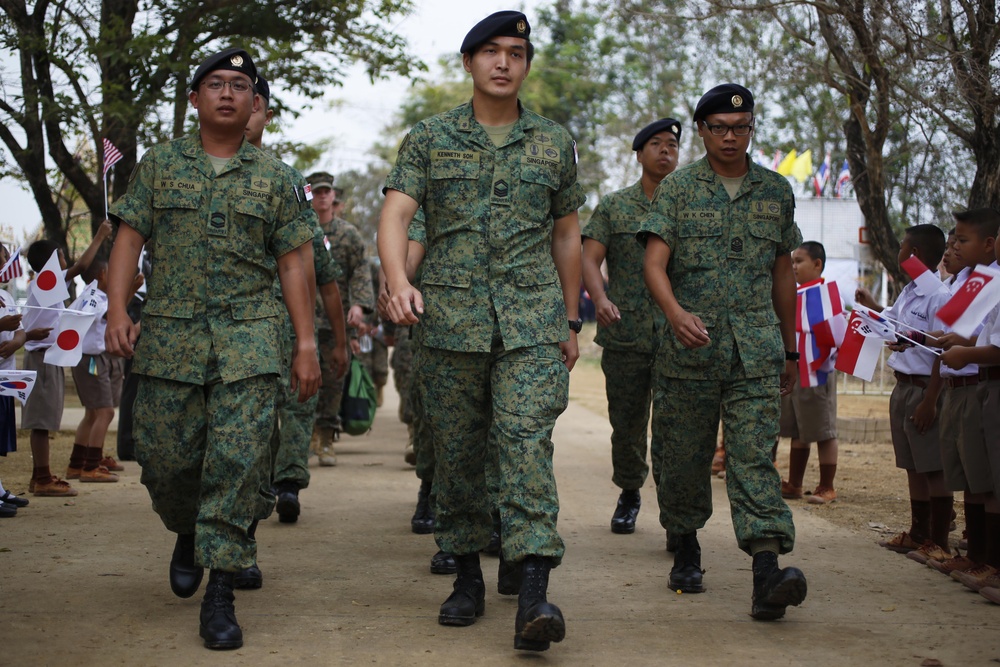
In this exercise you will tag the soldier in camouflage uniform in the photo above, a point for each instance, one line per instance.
(719, 236)
(500, 280)
(221, 219)
(629, 322)
(348, 249)
(375, 360)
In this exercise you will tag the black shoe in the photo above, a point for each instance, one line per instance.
(422, 522)
(686, 575)
(468, 600)
(185, 576)
(219, 627)
(10, 499)
(538, 620)
(672, 543)
(508, 577)
(288, 506)
(249, 579)
(773, 588)
(623, 520)
(443, 563)
(7, 510)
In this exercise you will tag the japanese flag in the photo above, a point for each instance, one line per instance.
(861, 349)
(68, 348)
(17, 384)
(49, 286)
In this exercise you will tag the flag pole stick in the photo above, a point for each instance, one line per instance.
(105, 195)
(904, 325)
(936, 353)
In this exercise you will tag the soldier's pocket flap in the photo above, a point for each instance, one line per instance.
(444, 169)
(251, 207)
(178, 308)
(760, 318)
(624, 225)
(764, 230)
(531, 277)
(188, 199)
(690, 228)
(450, 276)
(255, 310)
(544, 175)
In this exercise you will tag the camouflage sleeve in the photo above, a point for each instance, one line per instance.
(135, 207)
(327, 269)
(360, 284)
(791, 236)
(418, 230)
(294, 223)
(661, 218)
(570, 196)
(599, 225)
(409, 175)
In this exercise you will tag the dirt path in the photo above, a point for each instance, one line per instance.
(84, 583)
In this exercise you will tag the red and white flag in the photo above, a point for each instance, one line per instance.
(12, 269)
(68, 348)
(860, 352)
(111, 156)
(926, 280)
(17, 384)
(49, 286)
(969, 306)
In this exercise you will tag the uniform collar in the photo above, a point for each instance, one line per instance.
(192, 148)
(703, 171)
(467, 123)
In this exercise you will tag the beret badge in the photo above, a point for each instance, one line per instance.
(522, 26)
(236, 61)
(737, 101)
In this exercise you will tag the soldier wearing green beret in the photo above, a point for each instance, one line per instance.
(629, 322)
(499, 295)
(221, 220)
(719, 237)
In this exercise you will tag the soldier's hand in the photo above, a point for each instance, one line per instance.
(405, 304)
(355, 317)
(788, 377)
(607, 313)
(121, 334)
(382, 303)
(339, 360)
(306, 376)
(570, 351)
(690, 330)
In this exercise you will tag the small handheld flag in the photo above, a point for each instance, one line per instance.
(973, 301)
(926, 281)
(861, 349)
(17, 384)
(840, 188)
(12, 269)
(111, 156)
(49, 286)
(68, 348)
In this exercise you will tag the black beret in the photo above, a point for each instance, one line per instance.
(727, 98)
(320, 179)
(663, 125)
(263, 89)
(236, 60)
(500, 24)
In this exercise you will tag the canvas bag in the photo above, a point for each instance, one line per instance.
(357, 409)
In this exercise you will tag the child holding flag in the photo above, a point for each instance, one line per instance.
(44, 408)
(914, 404)
(809, 412)
(12, 337)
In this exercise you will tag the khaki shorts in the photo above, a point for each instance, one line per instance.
(989, 392)
(963, 450)
(809, 414)
(44, 408)
(920, 452)
(98, 380)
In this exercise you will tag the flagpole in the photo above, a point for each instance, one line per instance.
(936, 353)
(900, 323)
(105, 195)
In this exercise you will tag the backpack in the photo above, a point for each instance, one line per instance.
(357, 409)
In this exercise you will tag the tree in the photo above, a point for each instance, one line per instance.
(120, 70)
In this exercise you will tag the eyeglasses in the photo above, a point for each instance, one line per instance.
(237, 86)
(723, 130)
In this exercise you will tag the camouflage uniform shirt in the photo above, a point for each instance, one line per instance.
(489, 217)
(344, 243)
(614, 225)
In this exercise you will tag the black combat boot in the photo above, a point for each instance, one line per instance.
(623, 520)
(288, 506)
(686, 574)
(443, 563)
(773, 588)
(422, 522)
(219, 628)
(185, 576)
(508, 577)
(468, 600)
(538, 621)
(250, 578)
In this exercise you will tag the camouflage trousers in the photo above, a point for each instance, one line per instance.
(206, 463)
(628, 379)
(686, 421)
(332, 392)
(511, 398)
(294, 426)
(402, 371)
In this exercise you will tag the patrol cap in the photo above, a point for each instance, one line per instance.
(234, 59)
(726, 98)
(320, 179)
(338, 193)
(499, 24)
(671, 125)
(263, 89)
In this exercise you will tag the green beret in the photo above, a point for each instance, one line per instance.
(663, 125)
(236, 60)
(727, 98)
(500, 24)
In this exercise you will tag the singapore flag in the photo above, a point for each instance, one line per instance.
(68, 348)
(49, 286)
(972, 302)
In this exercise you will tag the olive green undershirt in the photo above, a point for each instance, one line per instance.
(218, 163)
(732, 185)
(499, 133)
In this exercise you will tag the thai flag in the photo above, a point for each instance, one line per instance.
(12, 269)
(843, 179)
(822, 176)
(820, 327)
(973, 301)
(926, 280)
(859, 354)
(49, 286)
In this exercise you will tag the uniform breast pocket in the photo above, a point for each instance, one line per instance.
(455, 188)
(247, 231)
(765, 237)
(176, 221)
(533, 199)
(698, 245)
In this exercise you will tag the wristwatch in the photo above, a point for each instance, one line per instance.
(576, 325)
(791, 356)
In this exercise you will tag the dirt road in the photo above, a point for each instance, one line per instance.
(84, 582)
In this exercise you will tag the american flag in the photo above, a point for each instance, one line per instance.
(12, 269)
(111, 156)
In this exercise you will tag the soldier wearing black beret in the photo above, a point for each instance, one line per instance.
(235, 60)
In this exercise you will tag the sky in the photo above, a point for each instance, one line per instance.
(353, 115)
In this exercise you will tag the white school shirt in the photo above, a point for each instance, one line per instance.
(8, 307)
(93, 340)
(915, 309)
